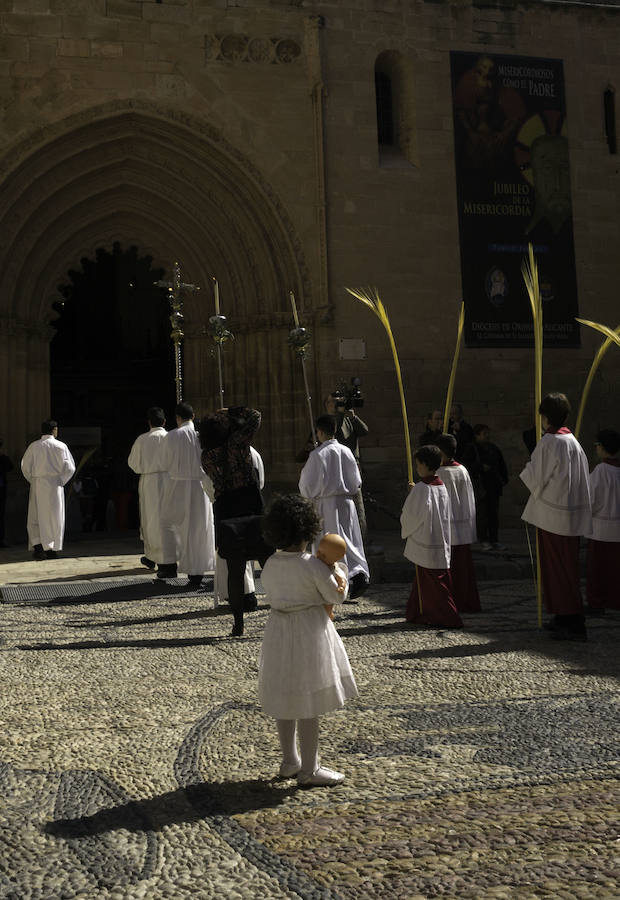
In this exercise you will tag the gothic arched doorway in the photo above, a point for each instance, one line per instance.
(172, 186)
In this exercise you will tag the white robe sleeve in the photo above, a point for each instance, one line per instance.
(257, 461)
(597, 491)
(135, 462)
(351, 473)
(163, 455)
(415, 511)
(27, 464)
(68, 467)
(312, 477)
(539, 469)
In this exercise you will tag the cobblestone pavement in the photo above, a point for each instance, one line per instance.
(136, 763)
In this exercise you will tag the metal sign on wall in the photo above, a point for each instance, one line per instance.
(513, 188)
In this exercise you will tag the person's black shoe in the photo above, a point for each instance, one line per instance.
(51, 554)
(38, 552)
(250, 603)
(167, 570)
(237, 630)
(357, 586)
(594, 611)
(565, 634)
(194, 580)
(147, 562)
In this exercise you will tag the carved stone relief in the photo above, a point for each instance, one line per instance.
(240, 48)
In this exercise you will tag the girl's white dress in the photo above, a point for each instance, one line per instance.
(304, 670)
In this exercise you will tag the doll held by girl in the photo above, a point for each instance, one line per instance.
(332, 549)
(304, 671)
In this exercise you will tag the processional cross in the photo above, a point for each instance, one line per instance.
(175, 289)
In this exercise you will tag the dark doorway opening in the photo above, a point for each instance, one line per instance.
(111, 359)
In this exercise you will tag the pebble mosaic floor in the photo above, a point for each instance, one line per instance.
(136, 763)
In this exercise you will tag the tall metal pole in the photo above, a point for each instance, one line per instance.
(300, 339)
(175, 289)
(220, 334)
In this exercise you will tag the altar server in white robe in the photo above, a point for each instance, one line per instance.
(462, 525)
(331, 478)
(220, 581)
(603, 584)
(558, 479)
(425, 525)
(47, 465)
(145, 460)
(187, 532)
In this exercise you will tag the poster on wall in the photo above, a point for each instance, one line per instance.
(513, 188)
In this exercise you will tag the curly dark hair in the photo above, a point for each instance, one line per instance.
(289, 520)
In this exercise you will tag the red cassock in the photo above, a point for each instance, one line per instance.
(438, 607)
(464, 585)
(559, 569)
(602, 587)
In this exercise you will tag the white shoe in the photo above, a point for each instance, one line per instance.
(289, 770)
(485, 545)
(321, 777)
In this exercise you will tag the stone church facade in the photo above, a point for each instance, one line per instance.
(240, 138)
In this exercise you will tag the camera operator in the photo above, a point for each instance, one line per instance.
(349, 426)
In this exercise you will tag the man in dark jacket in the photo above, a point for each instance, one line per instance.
(485, 463)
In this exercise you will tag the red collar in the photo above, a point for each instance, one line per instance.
(612, 461)
(452, 462)
(432, 480)
(562, 430)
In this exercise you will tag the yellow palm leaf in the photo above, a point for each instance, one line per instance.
(612, 335)
(370, 297)
(610, 338)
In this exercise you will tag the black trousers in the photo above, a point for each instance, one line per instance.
(487, 523)
(236, 574)
(231, 504)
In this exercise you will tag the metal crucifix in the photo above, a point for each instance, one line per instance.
(175, 289)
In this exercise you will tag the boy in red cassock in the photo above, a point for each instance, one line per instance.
(425, 523)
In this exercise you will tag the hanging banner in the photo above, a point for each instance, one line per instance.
(513, 188)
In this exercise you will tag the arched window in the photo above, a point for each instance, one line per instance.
(609, 110)
(385, 112)
(395, 109)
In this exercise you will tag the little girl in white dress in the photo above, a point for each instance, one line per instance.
(304, 670)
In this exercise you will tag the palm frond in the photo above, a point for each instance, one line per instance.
(370, 297)
(608, 332)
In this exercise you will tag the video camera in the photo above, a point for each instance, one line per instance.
(348, 396)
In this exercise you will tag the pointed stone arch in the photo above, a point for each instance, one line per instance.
(171, 185)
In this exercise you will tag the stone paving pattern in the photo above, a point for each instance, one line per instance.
(136, 763)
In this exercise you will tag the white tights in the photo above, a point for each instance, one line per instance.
(308, 731)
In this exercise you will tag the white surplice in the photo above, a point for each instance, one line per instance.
(47, 465)
(605, 489)
(558, 479)
(145, 460)
(187, 530)
(220, 580)
(462, 503)
(425, 524)
(304, 670)
(331, 478)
